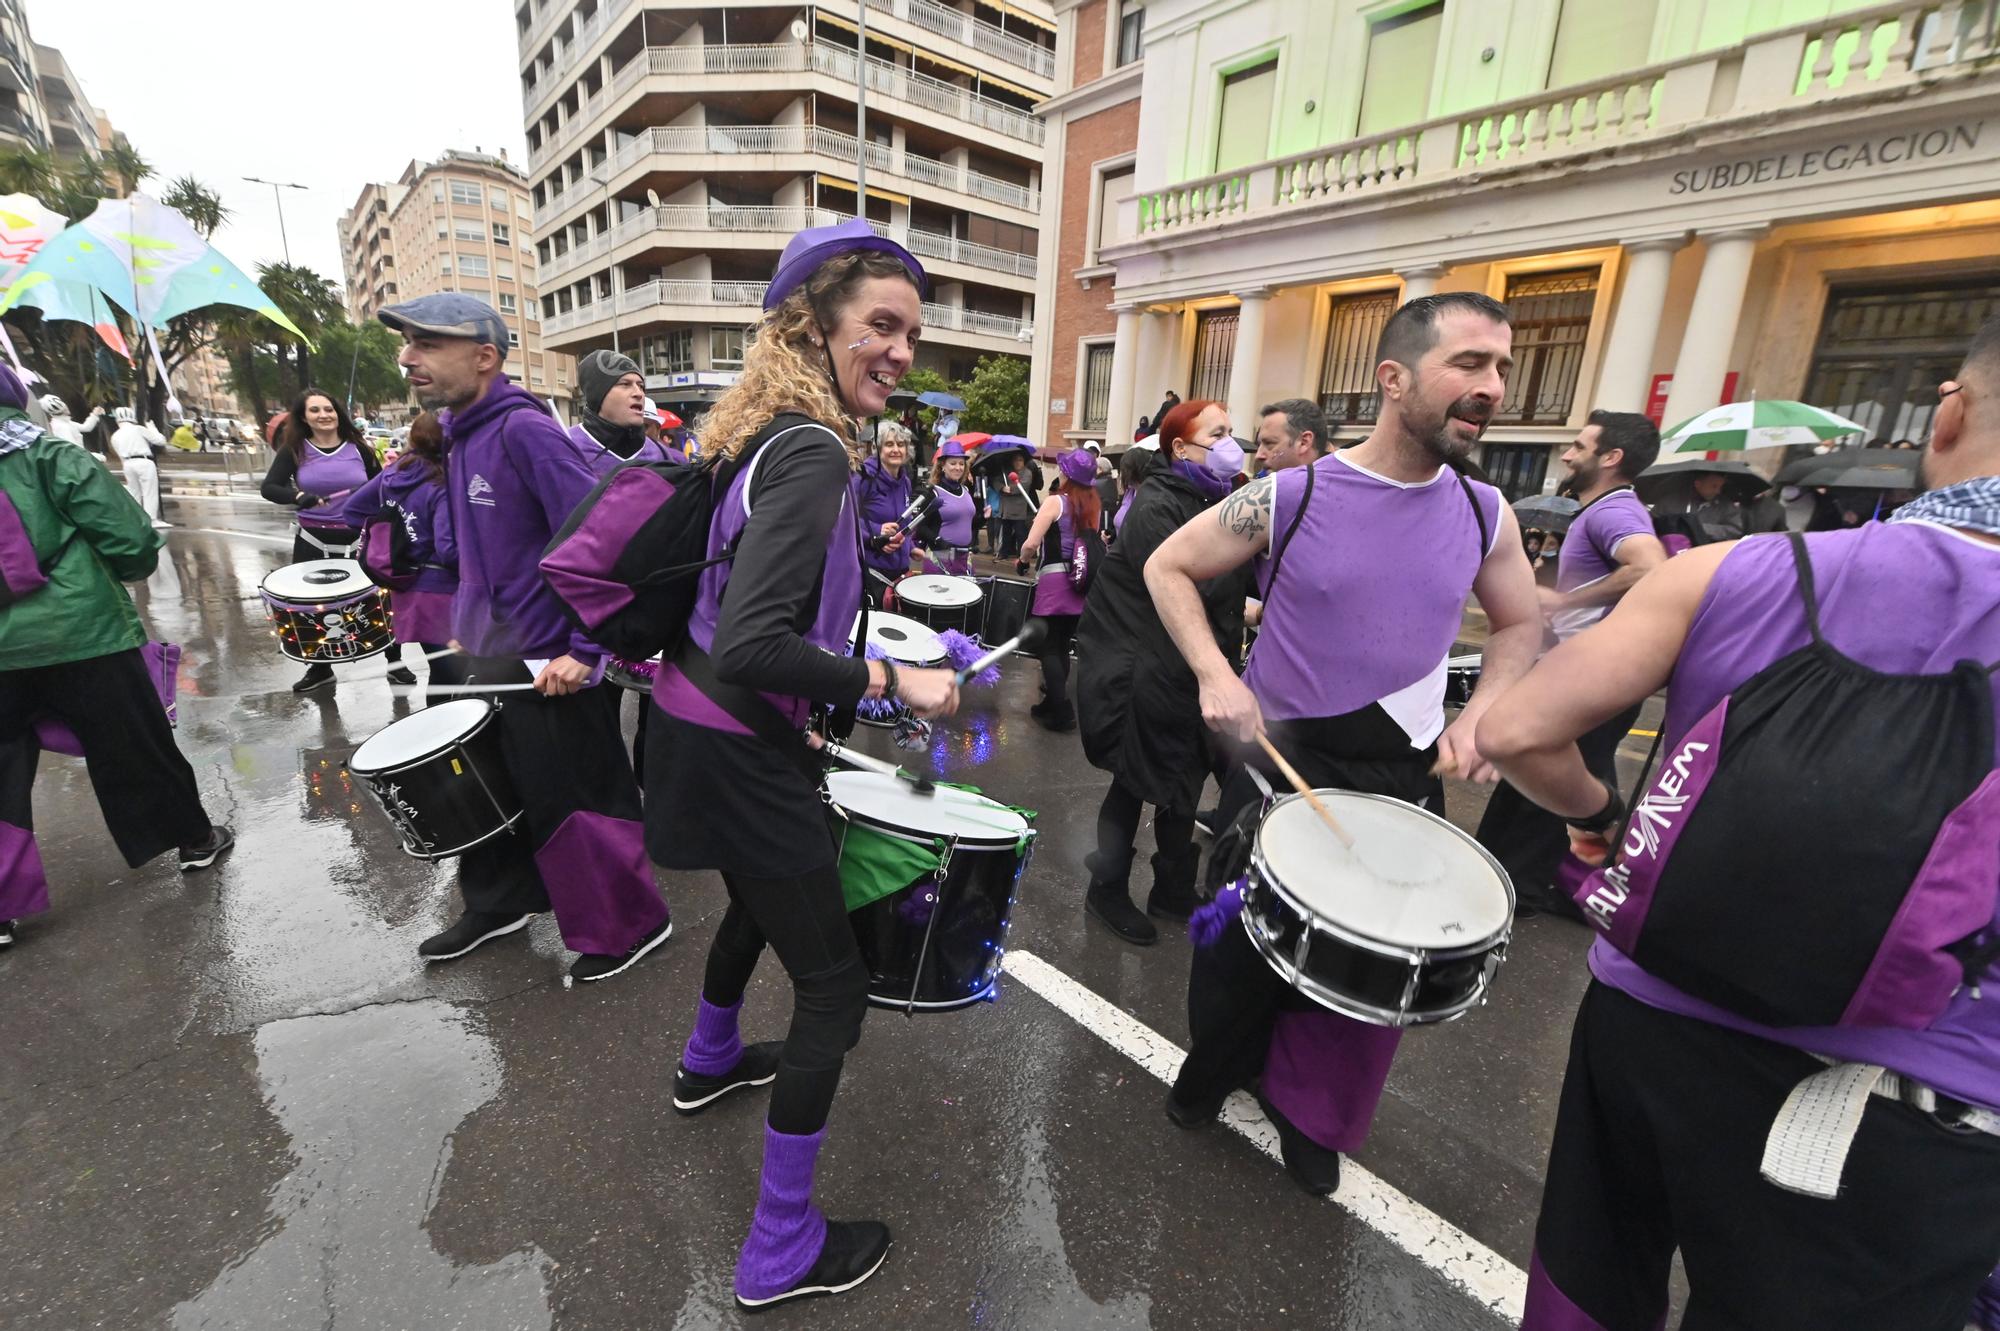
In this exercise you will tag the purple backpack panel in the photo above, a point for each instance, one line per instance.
(20, 572)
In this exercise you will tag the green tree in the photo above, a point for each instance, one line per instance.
(312, 303)
(996, 400)
(367, 352)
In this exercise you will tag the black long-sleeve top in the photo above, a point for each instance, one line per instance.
(281, 482)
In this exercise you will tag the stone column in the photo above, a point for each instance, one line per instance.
(1246, 369)
(1156, 371)
(1421, 280)
(1122, 412)
(1627, 369)
(1710, 339)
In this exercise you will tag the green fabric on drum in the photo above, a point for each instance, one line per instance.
(873, 864)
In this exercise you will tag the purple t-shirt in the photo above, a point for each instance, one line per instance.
(1590, 551)
(1370, 593)
(1906, 598)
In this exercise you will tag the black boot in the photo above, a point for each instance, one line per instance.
(1173, 896)
(1314, 1168)
(1057, 716)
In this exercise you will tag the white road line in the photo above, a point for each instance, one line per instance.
(1483, 1274)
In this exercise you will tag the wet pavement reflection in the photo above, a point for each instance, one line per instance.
(241, 1100)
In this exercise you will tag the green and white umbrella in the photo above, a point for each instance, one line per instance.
(1758, 423)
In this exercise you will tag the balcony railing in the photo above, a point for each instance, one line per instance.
(1871, 51)
(743, 140)
(976, 33)
(747, 298)
(776, 223)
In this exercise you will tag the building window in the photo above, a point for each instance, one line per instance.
(466, 191)
(1551, 320)
(1518, 469)
(501, 235)
(1096, 391)
(1596, 40)
(469, 232)
(472, 265)
(725, 348)
(1243, 131)
(671, 352)
(443, 230)
(1396, 84)
(1214, 353)
(1131, 30)
(499, 198)
(1883, 350)
(507, 302)
(1347, 391)
(1113, 188)
(437, 191)
(504, 269)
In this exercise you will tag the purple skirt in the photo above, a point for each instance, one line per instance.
(1055, 596)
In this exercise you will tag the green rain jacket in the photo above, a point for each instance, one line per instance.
(89, 535)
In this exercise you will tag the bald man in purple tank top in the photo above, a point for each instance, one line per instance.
(1820, 1154)
(1364, 561)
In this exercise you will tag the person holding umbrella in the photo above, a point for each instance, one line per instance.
(1610, 545)
(1014, 478)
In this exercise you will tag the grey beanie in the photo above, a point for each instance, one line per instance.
(598, 372)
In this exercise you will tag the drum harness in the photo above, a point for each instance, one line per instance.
(330, 551)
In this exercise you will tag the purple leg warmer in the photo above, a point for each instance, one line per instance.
(788, 1231)
(714, 1046)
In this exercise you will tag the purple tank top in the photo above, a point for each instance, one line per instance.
(1370, 595)
(328, 475)
(840, 578)
(954, 518)
(1906, 598)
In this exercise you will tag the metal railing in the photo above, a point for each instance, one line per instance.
(1869, 51)
(747, 298)
(976, 33)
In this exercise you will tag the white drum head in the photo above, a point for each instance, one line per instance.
(939, 591)
(1471, 661)
(890, 801)
(317, 580)
(904, 640)
(1412, 879)
(419, 735)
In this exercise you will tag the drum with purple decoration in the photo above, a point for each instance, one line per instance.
(1407, 927)
(907, 643)
(929, 881)
(326, 610)
(941, 601)
(634, 675)
(440, 776)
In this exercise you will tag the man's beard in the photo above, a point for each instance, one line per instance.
(1445, 443)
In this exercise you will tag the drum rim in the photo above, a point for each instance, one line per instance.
(978, 593)
(492, 710)
(366, 585)
(917, 836)
(1334, 1001)
(1262, 875)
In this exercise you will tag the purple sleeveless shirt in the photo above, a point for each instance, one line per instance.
(1906, 598)
(1370, 594)
(839, 601)
(954, 518)
(1054, 595)
(327, 475)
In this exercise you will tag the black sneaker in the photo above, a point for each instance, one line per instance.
(207, 852)
(401, 675)
(472, 929)
(1206, 821)
(7, 928)
(1117, 913)
(591, 966)
(1314, 1168)
(758, 1065)
(854, 1251)
(316, 677)
(1191, 1116)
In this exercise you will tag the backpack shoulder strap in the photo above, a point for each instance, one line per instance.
(1478, 515)
(1808, 593)
(1291, 528)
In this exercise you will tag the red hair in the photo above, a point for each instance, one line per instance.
(1178, 424)
(1086, 510)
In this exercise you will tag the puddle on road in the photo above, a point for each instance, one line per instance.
(371, 1100)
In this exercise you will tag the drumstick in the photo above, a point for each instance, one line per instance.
(1299, 784)
(405, 660)
(1028, 637)
(405, 690)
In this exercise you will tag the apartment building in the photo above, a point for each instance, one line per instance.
(23, 122)
(674, 147)
(460, 223)
(72, 120)
(1682, 202)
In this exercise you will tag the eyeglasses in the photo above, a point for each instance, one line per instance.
(1948, 387)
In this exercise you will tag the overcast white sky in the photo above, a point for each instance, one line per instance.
(221, 89)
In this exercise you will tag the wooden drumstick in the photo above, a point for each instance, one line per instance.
(1299, 784)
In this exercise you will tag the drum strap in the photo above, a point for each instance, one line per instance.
(751, 709)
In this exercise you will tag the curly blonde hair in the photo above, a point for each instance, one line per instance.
(783, 371)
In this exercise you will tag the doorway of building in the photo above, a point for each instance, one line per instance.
(1883, 350)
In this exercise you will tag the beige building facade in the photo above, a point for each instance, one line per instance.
(1783, 199)
(675, 147)
(460, 223)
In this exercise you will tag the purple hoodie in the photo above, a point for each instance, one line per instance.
(515, 476)
(423, 613)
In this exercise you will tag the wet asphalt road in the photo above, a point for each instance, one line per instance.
(238, 1099)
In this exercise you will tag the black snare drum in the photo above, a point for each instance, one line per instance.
(1008, 601)
(940, 602)
(440, 777)
(326, 610)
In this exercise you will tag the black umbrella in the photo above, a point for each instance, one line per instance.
(1546, 512)
(1003, 453)
(1674, 481)
(1855, 469)
(900, 400)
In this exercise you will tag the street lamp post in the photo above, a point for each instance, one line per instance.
(276, 186)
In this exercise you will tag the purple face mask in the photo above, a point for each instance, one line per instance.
(1214, 475)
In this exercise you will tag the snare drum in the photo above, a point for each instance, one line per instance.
(942, 602)
(326, 610)
(930, 883)
(1407, 928)
(1007, 604)
(1461, 677)
(634, 675)
(904, 641)
(440, 777)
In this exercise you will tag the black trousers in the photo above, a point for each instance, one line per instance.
(303, 550)
(1527, 839)
(1054, 656)
(1013, 531)
(144, 786)
(1175, 855)
(804, 920)
(1659, 1135)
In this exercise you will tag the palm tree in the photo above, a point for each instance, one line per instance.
(202, 206)
(122, 161)
(308, 300)
(28, 171)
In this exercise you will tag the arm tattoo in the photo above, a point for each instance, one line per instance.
(1247, 513)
